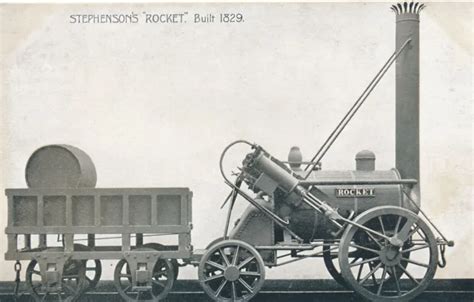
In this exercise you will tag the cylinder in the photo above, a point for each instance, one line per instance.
(278, 174)
(60, 166)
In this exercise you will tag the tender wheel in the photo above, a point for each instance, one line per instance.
(383, 258)
(174, 262)
(72, 282)
(162, 282)
(231, 270)
(93, 269)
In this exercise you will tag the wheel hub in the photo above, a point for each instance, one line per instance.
(232, 273)
(390, 255)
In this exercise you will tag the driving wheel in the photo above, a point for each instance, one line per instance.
(386, 254)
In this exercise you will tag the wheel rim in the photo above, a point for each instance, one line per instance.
(72, 282)
(231, 270)
(162, 281)
(93, 271)
(331, 261)
(389, 270)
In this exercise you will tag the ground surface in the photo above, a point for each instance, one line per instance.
(458, 290)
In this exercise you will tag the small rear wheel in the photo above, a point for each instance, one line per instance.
(231, 270)
(72, 282)
(161, 283)
(159, 247)
(93, 269)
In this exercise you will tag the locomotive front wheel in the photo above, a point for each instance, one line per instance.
(231, 270)
(382, 260)
(72, 282)
(162, 282)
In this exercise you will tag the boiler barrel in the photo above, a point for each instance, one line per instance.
(60, 166)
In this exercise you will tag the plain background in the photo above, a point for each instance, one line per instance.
(155, 104)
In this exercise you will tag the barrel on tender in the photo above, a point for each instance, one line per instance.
(60, 166)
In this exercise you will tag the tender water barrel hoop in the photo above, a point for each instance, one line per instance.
(60, 166)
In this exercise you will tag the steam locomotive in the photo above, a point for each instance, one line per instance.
(366, 224)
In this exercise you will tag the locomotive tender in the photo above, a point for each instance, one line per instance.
(366, 224)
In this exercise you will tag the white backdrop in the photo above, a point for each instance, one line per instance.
(154, 104)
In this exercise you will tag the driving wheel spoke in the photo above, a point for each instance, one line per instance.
(409, 275)
(397, 283)
(371, 273)
(384, 274)
(364, 261)
(415, 262)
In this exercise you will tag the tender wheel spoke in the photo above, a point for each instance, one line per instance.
(159, 274)
(36, 272)
(216, 265)
(245, 262)
(159, 283)
(246, 285)
(408, 274)
(415, 262)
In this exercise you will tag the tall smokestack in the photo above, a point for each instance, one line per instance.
(407, 93)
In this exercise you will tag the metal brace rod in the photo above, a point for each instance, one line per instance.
(352, 111)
